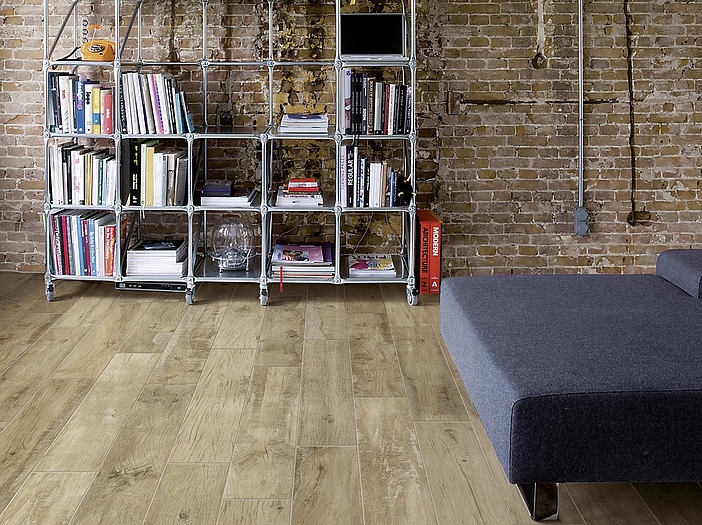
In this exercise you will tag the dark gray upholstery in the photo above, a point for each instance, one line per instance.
(581, 377)
(683, 268)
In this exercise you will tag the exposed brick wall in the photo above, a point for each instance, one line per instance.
(501, 171)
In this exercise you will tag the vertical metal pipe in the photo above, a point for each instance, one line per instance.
(581, 138)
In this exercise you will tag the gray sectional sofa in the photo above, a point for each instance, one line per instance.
(584, 378)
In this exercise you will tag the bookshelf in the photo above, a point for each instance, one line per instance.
(140, 170)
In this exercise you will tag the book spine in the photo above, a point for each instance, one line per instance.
(80, 106)
(92, 247)
(347, 100)
(95, 101)
(110, 236)
(85, 245)
(435, 257)
(350, 175)
(69, 257)
(106, 115)
(58, 251)
(370, 106)
(134, 162)
(423, 259)
(364, 103)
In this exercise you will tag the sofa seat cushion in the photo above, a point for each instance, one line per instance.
(581, 378)
(683, 268)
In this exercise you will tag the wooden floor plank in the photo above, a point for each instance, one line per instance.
(326, 402)
(463, 489)
(128, 478)
(23, 297)
(430, 385)
(264, 456)
(395, 487)
(21, 334)
(154, 330)
(399, 311)
(374, 363)
(326, 487)
(209, 429)
(47, 497)
(189, 494)
(325, 317)
(12, 281)
(92, 306)
(26, 375)
(28, 436)
(184, 357)
(67, 293)
(255, 512)
(364, 298)
(673, 503)
(83, 443)
(610, 503)
(241, 324)
(284, 323)
(92, 354)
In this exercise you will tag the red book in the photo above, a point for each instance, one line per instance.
(106, 106)
(423, 256)
(431, 222)
(110, 237)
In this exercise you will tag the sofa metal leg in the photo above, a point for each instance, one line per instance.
(541, 500)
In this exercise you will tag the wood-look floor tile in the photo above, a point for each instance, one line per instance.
(94, 303)
(22, 379)
(673, 503)
(610, 504)
(264, 456)
(399, 311)
(395, 487)
(241, 324)
(280, 352)
(153, 331)
(128, 478)
(255, 512)
(364, 298)
(23, 297)
(326, 487)
(326, 402)
(185, 355)
(430, 385)
(67, 293)
(47, 497)
(3, 424)
(209, 429)
(86, 438)
(284, 323)
(28, 436)
(20, 335)
(91, 355)
(12, 281)
(325, 317)
(189, 494)
(374, 363)
(463, 489)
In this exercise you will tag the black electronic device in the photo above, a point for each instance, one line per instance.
(372, 35)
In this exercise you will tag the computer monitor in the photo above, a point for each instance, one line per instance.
(372, 35)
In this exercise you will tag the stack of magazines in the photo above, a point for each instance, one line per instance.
(302, 260)
(224, 193)
(157, 259)
(300, 192)
(371, 265)
(305, 123)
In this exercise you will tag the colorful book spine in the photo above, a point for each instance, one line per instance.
(106, 111)
(110, 238)
(429, 260)
(95, 100)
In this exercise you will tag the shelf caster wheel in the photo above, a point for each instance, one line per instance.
(50, 293)
(189, 297)
(264, 299)
(412, 298)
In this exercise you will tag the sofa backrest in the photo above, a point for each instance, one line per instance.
(683, 268)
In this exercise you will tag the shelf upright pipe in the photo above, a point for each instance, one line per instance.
(47, 139)
(340, 111)
(581, 111)
(70, 12)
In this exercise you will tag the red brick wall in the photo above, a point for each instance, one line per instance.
(502, 171)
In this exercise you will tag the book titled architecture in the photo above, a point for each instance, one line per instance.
(429, 259)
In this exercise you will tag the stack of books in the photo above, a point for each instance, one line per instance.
(300, 192)
(157, 259)
(371, 265)
(224, 193)
(302, 260)
(304, 123)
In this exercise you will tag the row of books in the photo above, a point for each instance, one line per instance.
(300, 192)
(157, 258)
(79, 105)
(158, 174)
(82, 175)
(84, 242)
(368, 183)
(151, 103)
(373, 107)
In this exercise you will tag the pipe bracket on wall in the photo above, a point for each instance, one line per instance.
(581, 218)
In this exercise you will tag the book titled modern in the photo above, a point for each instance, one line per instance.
(429, 259)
